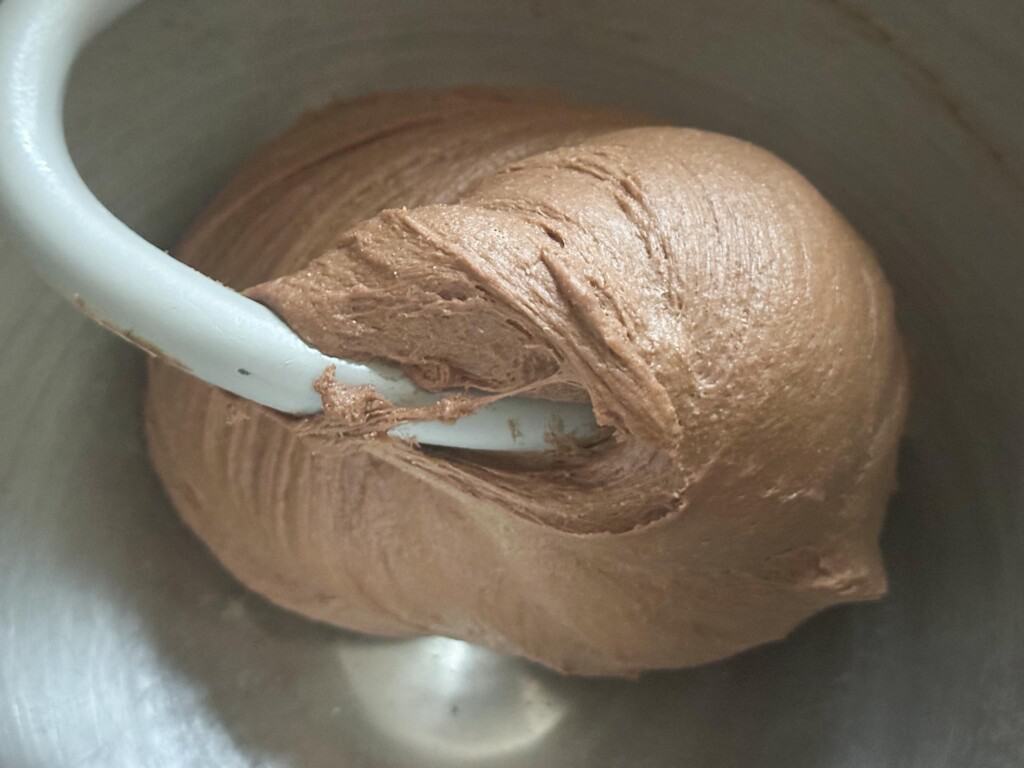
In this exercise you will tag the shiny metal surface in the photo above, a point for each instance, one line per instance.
(122, 643)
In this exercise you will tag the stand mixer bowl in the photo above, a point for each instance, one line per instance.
(124, 643)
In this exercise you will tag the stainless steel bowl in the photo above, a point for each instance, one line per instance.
(123, 643)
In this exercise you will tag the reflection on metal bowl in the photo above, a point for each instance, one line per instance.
(450, 699)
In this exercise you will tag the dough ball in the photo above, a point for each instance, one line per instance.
(733, 333)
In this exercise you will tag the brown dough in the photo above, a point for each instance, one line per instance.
(722, 317)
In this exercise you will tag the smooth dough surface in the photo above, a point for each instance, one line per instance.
(732, 331)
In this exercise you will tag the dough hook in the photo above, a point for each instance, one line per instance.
(161, 305)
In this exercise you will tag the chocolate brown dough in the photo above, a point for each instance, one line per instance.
(729, 327)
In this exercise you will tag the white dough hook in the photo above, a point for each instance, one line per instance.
(129, 285)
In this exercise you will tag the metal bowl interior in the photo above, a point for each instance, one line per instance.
(124, 643)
